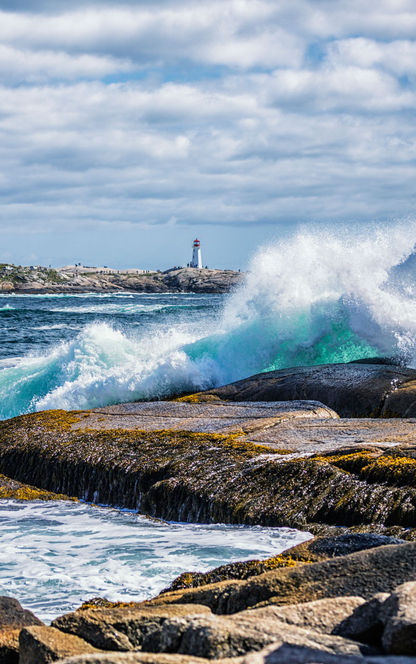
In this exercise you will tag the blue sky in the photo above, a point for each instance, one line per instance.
(128, 128)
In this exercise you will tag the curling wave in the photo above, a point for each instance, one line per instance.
(314, 298)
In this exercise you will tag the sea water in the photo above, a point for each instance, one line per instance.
(71, 351)
(314, 298)
(317, 297)
(56, 555)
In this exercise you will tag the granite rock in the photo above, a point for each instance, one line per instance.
(352, 390)
(41, 645)
(12, 618)
(361, 574)
(399, 618)
(123, 627)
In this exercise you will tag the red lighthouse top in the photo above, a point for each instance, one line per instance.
(196, 242)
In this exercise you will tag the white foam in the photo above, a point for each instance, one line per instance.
(54, 556)
(312, 299)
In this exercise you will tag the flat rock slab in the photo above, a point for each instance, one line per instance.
(315, 436)
(217, 417)
(301, 427)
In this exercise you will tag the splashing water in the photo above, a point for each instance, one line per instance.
(315, 298)
(56, 555)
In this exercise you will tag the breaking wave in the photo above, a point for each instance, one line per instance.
(314, 298)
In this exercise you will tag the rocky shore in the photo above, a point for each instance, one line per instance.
(262, 451)
(183, 280)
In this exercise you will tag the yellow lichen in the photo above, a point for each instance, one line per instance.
(198, 397)
(59, 419)
(103, 603)
(12, 489)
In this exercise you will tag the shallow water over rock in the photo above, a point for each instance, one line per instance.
(54, 556)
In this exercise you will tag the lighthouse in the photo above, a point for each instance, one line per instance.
(196, 255)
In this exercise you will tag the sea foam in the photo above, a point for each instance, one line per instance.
(317, 297)
(54, 556)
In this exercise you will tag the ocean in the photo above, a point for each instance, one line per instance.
(315, 298)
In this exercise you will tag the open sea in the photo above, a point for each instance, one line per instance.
(313, 299)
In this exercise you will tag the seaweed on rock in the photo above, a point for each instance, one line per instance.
(205, 477)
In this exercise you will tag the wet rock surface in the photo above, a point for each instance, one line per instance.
(173, 473)
(352, 390)
(18, 491)
(159, 459)
(345, 598)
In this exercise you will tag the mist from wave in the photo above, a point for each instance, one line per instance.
(318, 297)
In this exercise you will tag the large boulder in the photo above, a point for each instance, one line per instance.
(292, 654)
(352, 390)
(123, 627)
(361, 574)
(216, 637)
(322, 615)
(365, 622)
(41, 645)
(12, 618)
(399, 617)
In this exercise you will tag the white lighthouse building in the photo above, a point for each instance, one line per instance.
(196, 255)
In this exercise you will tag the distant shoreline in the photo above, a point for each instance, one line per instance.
(39, 280)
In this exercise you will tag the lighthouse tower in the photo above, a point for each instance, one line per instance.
(196, 255)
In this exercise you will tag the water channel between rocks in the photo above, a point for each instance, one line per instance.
(55, 555)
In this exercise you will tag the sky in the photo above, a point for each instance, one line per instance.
(129, 128)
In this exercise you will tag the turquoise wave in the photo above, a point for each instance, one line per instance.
(313, 299)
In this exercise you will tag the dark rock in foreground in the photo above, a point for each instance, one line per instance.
(352, 390)
(361, 574)
(352, 609)
(12, 618)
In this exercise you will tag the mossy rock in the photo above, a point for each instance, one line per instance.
(207, 477)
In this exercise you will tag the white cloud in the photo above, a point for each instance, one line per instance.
(235, 33)
(34, 66)
(398, 57)
(232, 111)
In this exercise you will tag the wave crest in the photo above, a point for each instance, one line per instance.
(314, 298)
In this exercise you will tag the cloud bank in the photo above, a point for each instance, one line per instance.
(227, 112)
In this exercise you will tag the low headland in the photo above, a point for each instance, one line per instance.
(328, 449)
(73, 279)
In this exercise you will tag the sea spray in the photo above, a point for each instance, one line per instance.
(317, 297)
